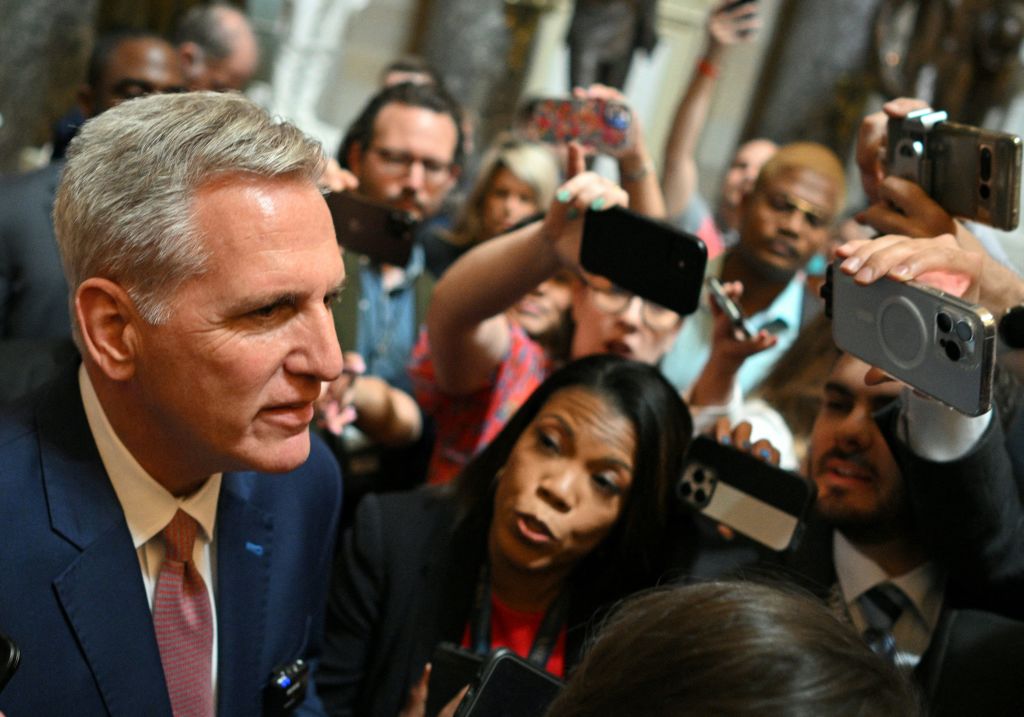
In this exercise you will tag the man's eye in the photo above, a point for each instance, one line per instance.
(267, 311)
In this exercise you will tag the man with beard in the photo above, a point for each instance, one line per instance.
(784, 221)
(864, 552)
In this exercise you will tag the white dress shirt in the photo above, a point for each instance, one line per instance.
(924, 586)
(148, 506)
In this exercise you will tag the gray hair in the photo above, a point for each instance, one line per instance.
(124, 207)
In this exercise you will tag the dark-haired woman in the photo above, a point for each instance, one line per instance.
(563, 513)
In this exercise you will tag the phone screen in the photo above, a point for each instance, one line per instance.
(511, 687)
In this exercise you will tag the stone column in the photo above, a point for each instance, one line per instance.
(482, 50)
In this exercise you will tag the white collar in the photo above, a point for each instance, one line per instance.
(148, 506)
(857, 573)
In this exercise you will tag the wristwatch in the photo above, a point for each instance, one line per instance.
(1011, 327)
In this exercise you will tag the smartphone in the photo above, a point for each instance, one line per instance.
(509, 686)
(375, 230)
(970, 172)
(759, 500)
(451, 668)
(650, 258)
(729, 307)
(938, 343)
(604, 125)
(10, 659)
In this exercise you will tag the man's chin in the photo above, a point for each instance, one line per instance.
(280, 455)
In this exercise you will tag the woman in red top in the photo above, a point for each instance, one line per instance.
(565, 512)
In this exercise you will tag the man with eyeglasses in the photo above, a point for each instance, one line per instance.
(784, 222)
(405, 151)
(35, 328)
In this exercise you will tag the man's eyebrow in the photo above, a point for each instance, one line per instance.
(838, 388)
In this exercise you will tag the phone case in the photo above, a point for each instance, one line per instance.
(938, 343)
(601, 124)
(970, 172)
(652, 259)
(380, 232)
(759, 500)
(452, 668)
(509, 686)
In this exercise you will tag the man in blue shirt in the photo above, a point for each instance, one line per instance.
(784, 221)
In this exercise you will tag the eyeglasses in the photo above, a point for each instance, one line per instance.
(612, 299)
(398, 163)
(783, 203)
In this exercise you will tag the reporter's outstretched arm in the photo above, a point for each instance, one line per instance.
(467, 329)
(679, 176)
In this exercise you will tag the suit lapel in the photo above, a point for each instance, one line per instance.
(244, 555)
(101, 591)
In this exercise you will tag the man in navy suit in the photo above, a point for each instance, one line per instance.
(202, 265)
(872, 452)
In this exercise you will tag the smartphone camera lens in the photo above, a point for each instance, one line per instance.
(984, 192)
(700, 495)
(698, 476)
(685, 489)
(944, 323)
(952, 350)
(986, 164)
(964, 331)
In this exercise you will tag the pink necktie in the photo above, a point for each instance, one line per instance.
(184, 623)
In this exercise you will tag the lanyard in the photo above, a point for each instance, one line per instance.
(547, 634)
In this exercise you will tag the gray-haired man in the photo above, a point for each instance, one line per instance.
(147, 567)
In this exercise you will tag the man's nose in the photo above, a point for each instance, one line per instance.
(320, 352)
(415, 177)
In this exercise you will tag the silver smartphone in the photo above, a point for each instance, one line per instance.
(970, 172)
(759, 500)
(729, 307)
(937, 343)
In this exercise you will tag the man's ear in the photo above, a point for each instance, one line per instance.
(108, 323)
(354, 159)
(192, 59)
(86, 97)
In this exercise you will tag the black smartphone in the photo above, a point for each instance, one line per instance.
(759, 500)
(509, 686)
(729, 307)
(451, 668)
(10, 658)
(938, 343)
(384, 234)
(650, 258)
(970, 172)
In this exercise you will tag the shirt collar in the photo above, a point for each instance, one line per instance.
(148, 506)
(411, 271)
(857, 574)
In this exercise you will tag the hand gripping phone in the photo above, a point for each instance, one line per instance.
(937, 343)
(970, 172)
(728, 307)
(509, 686)
(652, 259)
(604, 125)
(378, 231)
(451, 668)
(759, 500)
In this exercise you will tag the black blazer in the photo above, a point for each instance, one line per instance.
(973, 662)
(403, 583)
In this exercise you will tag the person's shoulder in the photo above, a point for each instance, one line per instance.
(409, 516)
(34, 182)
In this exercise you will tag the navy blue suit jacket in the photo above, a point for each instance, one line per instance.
(71, 592)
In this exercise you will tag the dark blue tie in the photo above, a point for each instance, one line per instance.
(882, 606)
